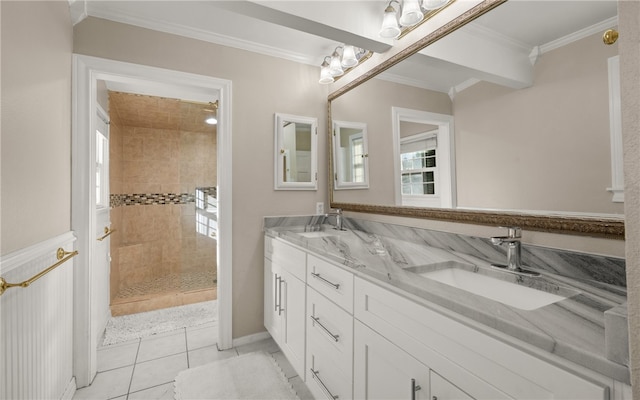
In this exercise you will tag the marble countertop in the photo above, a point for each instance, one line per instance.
(573, 328)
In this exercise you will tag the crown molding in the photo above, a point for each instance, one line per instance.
(581, 34)
(78, 9)
(200, 34)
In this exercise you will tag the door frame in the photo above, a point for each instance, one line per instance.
(87, 71)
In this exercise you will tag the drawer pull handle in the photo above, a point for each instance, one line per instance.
(280, 309)
(317, 276)
(324, 328)
(322, 385)
(415, 388)
(275, 292)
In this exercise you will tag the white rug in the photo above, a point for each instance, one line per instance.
(134, 326)
(250, 376)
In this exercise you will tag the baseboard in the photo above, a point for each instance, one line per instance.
(256, 337)
(70, 390)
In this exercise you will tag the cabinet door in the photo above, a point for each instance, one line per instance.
(271, 299)
(293, 325)
(442, 389)
(384, 371)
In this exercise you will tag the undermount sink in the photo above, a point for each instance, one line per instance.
(495, 285)
(316, 234)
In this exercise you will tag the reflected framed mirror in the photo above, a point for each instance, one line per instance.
(526, 84)
(296, 154)
(350, 155)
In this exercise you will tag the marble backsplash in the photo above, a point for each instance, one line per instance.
(590, 268)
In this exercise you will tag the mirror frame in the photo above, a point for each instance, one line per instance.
(278, 151)
(611, 228)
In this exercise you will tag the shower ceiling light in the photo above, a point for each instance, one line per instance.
(211, 111)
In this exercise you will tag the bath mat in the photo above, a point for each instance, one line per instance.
(250, 376)
(135, 326)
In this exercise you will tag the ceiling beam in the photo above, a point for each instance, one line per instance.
(271, 15)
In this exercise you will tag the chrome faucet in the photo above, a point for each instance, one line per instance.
(514, 250)
(338, 214)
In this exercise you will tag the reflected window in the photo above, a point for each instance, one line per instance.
(357, 155)
(206, 212)
(419, 172)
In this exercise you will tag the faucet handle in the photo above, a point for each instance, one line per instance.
(513, 232)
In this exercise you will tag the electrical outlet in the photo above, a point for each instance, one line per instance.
(319, 207)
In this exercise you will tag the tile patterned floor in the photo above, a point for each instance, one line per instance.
(145, 368)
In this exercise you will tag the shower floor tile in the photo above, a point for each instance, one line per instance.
(167, 291)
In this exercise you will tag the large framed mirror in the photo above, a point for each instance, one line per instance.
(295, 152)
(526, 87)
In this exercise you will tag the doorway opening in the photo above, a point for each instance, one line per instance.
(163, 191)
(91, 286)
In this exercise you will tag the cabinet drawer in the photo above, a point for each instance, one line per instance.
(289, 258)
(326, 379)
(332, 281)
(330, 326)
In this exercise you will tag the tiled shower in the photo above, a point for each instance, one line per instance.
(163, 203)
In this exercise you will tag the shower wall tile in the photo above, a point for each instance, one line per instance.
(132, 267)
(157, 165)
(132, 148)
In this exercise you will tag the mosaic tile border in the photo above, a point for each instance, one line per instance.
(119, 200)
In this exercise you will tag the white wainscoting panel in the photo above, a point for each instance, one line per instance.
(36, 323)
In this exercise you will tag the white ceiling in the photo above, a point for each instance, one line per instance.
(500, 46)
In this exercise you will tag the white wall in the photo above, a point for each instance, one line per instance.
(262, 86)
(35, 122)
(36, 336)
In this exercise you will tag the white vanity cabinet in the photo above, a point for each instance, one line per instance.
(349, 337)
(284, 299)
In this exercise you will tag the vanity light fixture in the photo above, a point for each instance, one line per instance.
(325, 75)
(390, 28)
(413, 12)
(341, 61)
(211, 111)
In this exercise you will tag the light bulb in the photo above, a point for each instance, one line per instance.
(325, 75)
(390, 28)
(349, 57)
(411, 13)
(335, 66)
(433, 4)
